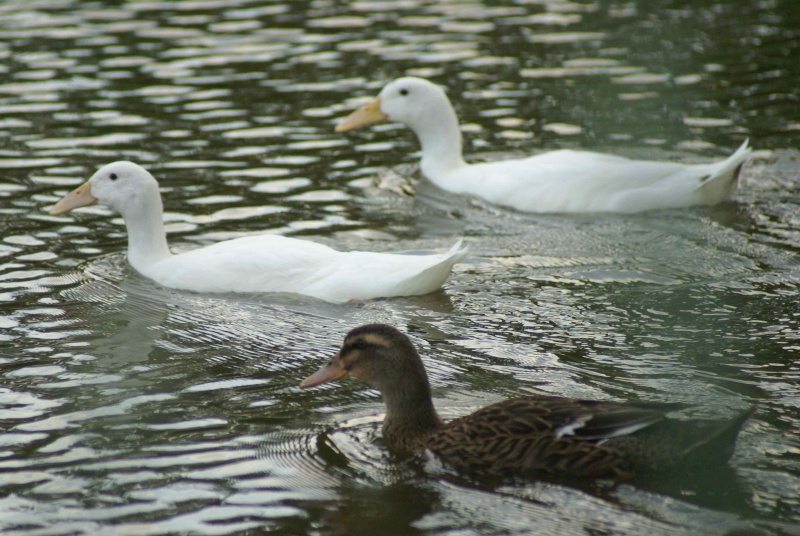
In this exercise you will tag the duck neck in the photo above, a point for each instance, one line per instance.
(441, 145)
(410, 415)
(147, 238)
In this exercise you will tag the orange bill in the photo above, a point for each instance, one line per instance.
(368, 114)
(329, 372)
(79, 197)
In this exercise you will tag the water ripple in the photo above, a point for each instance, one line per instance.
(136, 409)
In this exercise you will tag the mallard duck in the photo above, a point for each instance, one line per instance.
(530, 436)
(262, 263)
(556, 181)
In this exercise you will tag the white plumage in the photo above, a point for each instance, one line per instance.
(262, 263)
(557, 181)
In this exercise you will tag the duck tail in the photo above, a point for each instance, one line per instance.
(720, 183)
(717, 439)
(455, 254)
(432, 277)
(458, 252)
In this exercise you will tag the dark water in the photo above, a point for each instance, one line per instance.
(126, 408)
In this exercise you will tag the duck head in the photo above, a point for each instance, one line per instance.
(407, 100)
(387, 360)
(119, 185)
(377, 354)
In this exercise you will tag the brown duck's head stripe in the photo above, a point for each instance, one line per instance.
(364, 341)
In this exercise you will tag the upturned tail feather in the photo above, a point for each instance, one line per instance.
(720, 184)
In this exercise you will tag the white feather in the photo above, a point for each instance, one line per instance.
(262, 263)
(557, 181)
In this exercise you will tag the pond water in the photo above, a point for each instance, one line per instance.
(127, 408)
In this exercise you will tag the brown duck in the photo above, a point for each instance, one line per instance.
(530, 436)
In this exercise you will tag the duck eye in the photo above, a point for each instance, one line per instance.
(404, 92)
(113, 176)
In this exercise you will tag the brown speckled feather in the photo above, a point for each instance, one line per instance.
(542, 435)
(528, 436)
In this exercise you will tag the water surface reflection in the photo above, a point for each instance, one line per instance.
(132, 409)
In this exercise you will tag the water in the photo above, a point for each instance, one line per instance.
(127, 408)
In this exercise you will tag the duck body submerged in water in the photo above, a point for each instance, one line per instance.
(556, 181)
(260, 263)
(530, 436)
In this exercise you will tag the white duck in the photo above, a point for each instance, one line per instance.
(262, 263)
(557, 181)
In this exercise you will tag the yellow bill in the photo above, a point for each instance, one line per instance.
(79, 197)
(369, 114)
(329, 372)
